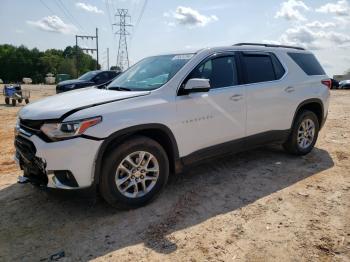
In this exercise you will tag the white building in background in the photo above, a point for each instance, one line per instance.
(27, 80)
(50, 79)
(342, 77)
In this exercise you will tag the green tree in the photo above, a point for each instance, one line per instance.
(67, 66)
(19, 62)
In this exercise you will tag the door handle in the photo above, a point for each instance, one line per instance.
(289, 89)
(236, 97)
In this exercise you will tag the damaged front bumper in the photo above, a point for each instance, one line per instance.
(65, 164)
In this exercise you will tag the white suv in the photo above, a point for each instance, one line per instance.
(168, 111)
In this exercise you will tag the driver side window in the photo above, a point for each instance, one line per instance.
(221, 71)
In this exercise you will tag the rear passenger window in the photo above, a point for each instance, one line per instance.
(221, 71)
(308, 63)
(259, 68)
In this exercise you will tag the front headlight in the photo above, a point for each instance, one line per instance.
(70, 86)
(17, 127)
(59, 131)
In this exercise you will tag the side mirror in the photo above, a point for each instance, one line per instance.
(196, 85)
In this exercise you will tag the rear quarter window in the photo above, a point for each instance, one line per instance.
(279, 70)
(308, 63)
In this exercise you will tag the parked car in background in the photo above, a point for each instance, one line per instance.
(344, 84)
(96, 78)
(335, 84)
(62, 77)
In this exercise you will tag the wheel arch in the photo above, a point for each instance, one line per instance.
(315, 105)
(158, 132)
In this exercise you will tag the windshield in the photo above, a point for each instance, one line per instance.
(88, 76)
(150, 73)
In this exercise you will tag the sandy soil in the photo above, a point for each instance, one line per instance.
(262, 205)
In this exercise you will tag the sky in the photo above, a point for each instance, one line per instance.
(159, 26)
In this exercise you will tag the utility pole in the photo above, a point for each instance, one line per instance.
(123, 56)
(92, 50)
(107, 58)
(96, 48)
(76, 56)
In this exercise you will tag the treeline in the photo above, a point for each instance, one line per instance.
(19, 62)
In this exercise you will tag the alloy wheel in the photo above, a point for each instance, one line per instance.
(306, 133)
(137, 174)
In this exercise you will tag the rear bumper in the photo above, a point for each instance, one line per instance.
(65, 164)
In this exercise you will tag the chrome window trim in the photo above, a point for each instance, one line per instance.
(233, 52)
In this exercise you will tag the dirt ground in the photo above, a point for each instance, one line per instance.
(262, 205)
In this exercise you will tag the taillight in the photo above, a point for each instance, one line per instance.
(327, 82)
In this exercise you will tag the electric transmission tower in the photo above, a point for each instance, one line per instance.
(123, 56)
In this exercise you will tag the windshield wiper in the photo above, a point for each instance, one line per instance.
(119, 88)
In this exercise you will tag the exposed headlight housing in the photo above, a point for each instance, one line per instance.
(66, 130)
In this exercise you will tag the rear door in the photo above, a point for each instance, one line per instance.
(267, 96)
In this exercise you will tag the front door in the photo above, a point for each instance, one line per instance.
(214, 117)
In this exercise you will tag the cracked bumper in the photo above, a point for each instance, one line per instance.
(67, 164)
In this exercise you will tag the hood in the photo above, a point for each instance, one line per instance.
(72, 81)
(62, 105)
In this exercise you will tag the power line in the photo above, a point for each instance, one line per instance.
(109, 14)
(47, 7)
(68, 15)
(141, 14)
(113, 6)
(133, 8)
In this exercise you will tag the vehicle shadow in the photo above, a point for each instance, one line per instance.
(36, 224)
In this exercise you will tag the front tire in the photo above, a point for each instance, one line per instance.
(304, 134)
(134, 173)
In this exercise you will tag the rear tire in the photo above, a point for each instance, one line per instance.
(20, 100)
(7, 100)
(14, 102)
(26, 100)
(129, 178)
(304, 134)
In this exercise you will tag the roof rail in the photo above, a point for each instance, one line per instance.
(270, 45)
